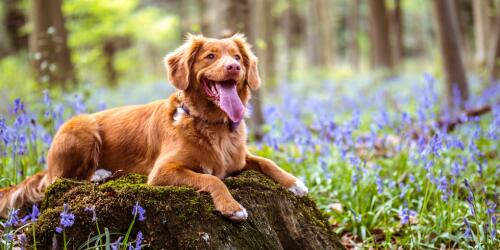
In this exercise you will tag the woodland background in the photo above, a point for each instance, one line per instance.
(389, 110)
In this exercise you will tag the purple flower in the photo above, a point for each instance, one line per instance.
(67, 219)
(46, 98)
(468, 231)
(138, 241)
(92, 210)
(470, 197)
(9, 237)
(12, 220)
(115, 245)
(491, 211)
(379, 182)
(23, 241)
(443, 187)
(33, 216)
(18, 105)
(138, 210)
(405, 214)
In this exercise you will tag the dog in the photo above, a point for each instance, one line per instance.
(194, 138)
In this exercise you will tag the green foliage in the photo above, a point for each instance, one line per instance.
(93, 22)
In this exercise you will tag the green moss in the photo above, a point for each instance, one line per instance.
(56, 190)
(178, 217)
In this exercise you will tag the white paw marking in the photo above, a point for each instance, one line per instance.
(239, 215)
(100, 175)
(299, 188)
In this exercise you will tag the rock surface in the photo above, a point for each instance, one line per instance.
(181, 218)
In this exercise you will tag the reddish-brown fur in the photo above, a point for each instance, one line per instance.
(196, 150)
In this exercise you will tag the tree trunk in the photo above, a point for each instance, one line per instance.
(14, 20)
(380, 36)
(204, 11)
(51, 55)
(494, 51)
(397, 31)
(181, 218)
(320, 38)
(449, 40)
(238, 17)
(481, 30)
(353, 27)
(293, 35)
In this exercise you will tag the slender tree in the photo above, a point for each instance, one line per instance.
(380, 35)
(320, 37)
(353, 27)
(397, 32)
(14, 19)
(51, 55)
(204, 11)
(494, 51)
(481, 29)
(448, 33)
(238, 17)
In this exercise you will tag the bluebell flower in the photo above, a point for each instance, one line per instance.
(46, 98)
(468, 230)
(9, 237)
(443, 187)
(470, 198)
(12, 219)
(33, 216)
(67, 219)
(18, 105)
(491, 211)
(23, 241)
(140, 211)
(116, 245)
(405, 214)
(379, 183)
(138, 241)
(91, 210)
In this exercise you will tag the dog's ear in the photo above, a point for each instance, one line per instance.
(179, 62)
(249, 60)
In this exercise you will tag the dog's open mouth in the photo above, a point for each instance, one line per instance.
(225, 95)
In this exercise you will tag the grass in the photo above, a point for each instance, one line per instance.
(369, 149)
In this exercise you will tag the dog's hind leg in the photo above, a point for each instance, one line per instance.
(74, 153)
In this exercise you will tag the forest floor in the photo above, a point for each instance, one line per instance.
(377, 153)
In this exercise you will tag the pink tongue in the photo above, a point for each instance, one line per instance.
(230, 101)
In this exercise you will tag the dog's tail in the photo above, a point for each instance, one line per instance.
(29, 191)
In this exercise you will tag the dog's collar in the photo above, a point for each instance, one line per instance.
(232, 125)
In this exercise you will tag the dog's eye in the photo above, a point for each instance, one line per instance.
(210, 56)
(237, 57)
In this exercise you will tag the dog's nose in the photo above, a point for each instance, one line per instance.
(233, 68)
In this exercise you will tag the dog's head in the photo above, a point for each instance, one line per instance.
(219, 70)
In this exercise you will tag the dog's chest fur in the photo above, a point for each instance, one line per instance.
(228, 154)
(217, 150)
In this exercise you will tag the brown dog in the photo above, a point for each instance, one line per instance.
(195, 138)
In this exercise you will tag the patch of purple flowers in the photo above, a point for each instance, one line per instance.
(33, 216)
(139, 211)
(67, 219)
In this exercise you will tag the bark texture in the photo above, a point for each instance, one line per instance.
(449, 40)
(380, 37)
(51, 54)
(180, 218)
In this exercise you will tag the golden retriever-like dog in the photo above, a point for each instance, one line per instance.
(194, 138)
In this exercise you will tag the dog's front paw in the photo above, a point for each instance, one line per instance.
(233, 210)
(239, 215)
(299, 188)
(100, 175)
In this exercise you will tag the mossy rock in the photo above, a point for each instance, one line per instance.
(181, 218)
